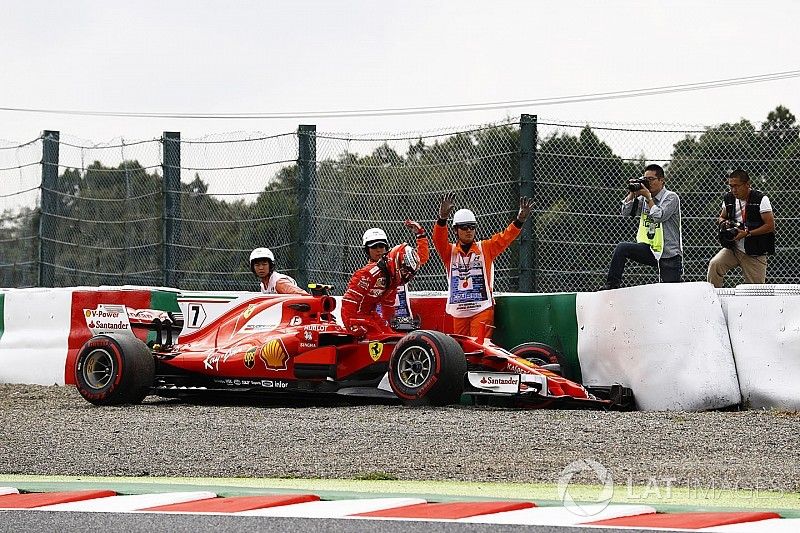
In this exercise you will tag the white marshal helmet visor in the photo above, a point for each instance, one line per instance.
(262, 253)
(374, 236)
(464, 216)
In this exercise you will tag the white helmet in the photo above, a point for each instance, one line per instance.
(262, 253)
(374, 236)
(464, 216)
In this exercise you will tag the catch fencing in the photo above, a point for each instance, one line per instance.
(186, 212)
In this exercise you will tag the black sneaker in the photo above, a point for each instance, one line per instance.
(608, 287)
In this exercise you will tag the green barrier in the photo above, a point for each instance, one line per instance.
(547, 318)
(164, 301)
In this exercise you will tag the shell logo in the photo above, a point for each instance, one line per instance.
(274, 355)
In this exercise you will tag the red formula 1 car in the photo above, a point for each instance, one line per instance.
(293, 345)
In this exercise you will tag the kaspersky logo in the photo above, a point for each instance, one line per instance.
(274, 355)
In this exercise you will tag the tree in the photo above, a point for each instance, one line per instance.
(778, 131)
(578, 184)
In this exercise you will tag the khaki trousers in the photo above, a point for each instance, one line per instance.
(754, 267)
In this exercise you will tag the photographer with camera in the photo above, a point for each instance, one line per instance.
(658, 239)
(746, 232)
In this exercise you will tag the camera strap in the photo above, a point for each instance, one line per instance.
(743, 210)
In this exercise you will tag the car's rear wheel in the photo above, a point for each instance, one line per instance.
(542, 354)
(114, 370)
(427, 368)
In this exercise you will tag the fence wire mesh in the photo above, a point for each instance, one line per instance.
(405, 177)
(102, 225)
(20, 178)
(110, 216)
(237, 192)
(580, 179)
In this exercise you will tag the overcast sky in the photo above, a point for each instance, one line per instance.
(265, 56)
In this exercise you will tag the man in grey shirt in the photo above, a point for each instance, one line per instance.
(658, 239)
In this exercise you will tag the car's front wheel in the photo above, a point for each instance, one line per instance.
(427, 368)
(542, 354)
(114, 369)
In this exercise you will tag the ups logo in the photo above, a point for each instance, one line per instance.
(250, 358)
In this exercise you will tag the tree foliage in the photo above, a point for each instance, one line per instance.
(105, 225)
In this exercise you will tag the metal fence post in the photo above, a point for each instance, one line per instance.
(128, 226)
(307, 163)
(170, 188)
(50, 143)
(527, 165)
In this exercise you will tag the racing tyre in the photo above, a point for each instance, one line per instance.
(427, 368)
(114, 370)
(542, 354)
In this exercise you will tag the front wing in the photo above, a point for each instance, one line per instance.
(530, 390)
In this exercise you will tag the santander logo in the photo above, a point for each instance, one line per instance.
(489, 380)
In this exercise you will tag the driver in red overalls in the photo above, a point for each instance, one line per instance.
(375, 246)
(374, 284)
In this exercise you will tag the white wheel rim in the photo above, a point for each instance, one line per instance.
(414, 366)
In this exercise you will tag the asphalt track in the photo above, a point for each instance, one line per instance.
(15, 521)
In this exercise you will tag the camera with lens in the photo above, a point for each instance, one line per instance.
(637, 183)
(728, 229)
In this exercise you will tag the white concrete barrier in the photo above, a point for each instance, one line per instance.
(33, 345)
(42, 328)
(668, 342)
(765, 337)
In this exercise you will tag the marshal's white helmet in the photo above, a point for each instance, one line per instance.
(374, 236)
(261, 253)
(464, 216)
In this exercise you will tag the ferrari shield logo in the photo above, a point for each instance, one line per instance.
(249, 311)
(250, 357)
(375, 350)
